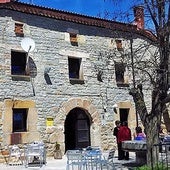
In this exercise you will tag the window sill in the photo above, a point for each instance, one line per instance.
(76, 81)
(19, 34)
(122, 85)
(120, 49)
(20, 77)
(19, 132)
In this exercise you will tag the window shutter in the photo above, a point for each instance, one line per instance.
(73, 38)
(19, 29)
(119, 45)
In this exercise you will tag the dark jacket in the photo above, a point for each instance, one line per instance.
(115, 131)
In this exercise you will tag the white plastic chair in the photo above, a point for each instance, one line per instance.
(75, 159)
(93, 148)
(14, 155)
(42, 145)
(34, 155)
(107, 161)
(93, 156)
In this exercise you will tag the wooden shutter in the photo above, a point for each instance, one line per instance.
(119, 45)
(19, 29)
(73, 38)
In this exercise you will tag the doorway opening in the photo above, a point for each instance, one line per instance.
(124, 114)
(77, 129)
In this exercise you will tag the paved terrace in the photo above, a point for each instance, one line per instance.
(60, 164)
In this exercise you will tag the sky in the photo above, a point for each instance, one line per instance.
(106, 9)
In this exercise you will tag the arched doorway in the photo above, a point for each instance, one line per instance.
(77, 129)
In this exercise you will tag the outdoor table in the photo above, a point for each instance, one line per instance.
(137, 146)
(92, 158)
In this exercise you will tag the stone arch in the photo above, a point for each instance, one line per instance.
(92, 112)
(66, 107)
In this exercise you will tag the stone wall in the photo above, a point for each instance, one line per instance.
(52, 48)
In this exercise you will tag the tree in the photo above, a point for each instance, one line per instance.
(152, 120)
(159, 12)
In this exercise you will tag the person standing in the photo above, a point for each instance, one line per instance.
(115, 133)
(116, 129)
(124, 134)
(139, 134)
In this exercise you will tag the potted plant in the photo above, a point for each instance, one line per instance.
(57, 151)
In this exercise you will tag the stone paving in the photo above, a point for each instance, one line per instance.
(60, 164)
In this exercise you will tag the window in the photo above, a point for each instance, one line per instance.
(19, 29)
(20, 120)
(119, 45)
(18, 63)
(75, 70)
(120, 74)
(18, 66)
(73, 39)
(74, 67)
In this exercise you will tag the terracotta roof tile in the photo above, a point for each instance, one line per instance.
(72, 17)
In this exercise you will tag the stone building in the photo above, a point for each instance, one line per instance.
(74, 84)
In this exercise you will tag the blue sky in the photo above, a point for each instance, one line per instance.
(97, 8)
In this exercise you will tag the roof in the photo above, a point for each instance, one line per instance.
(73, 17)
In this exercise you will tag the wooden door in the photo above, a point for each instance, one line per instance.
(77, 129)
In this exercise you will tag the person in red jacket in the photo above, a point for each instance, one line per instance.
(124, 134)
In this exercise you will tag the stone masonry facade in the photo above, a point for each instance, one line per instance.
(56, 100)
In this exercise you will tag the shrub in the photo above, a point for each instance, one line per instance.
(156, 167)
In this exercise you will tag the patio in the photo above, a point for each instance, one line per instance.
(60, 164)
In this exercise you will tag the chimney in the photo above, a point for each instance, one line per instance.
(4, 1)
(139, 17)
